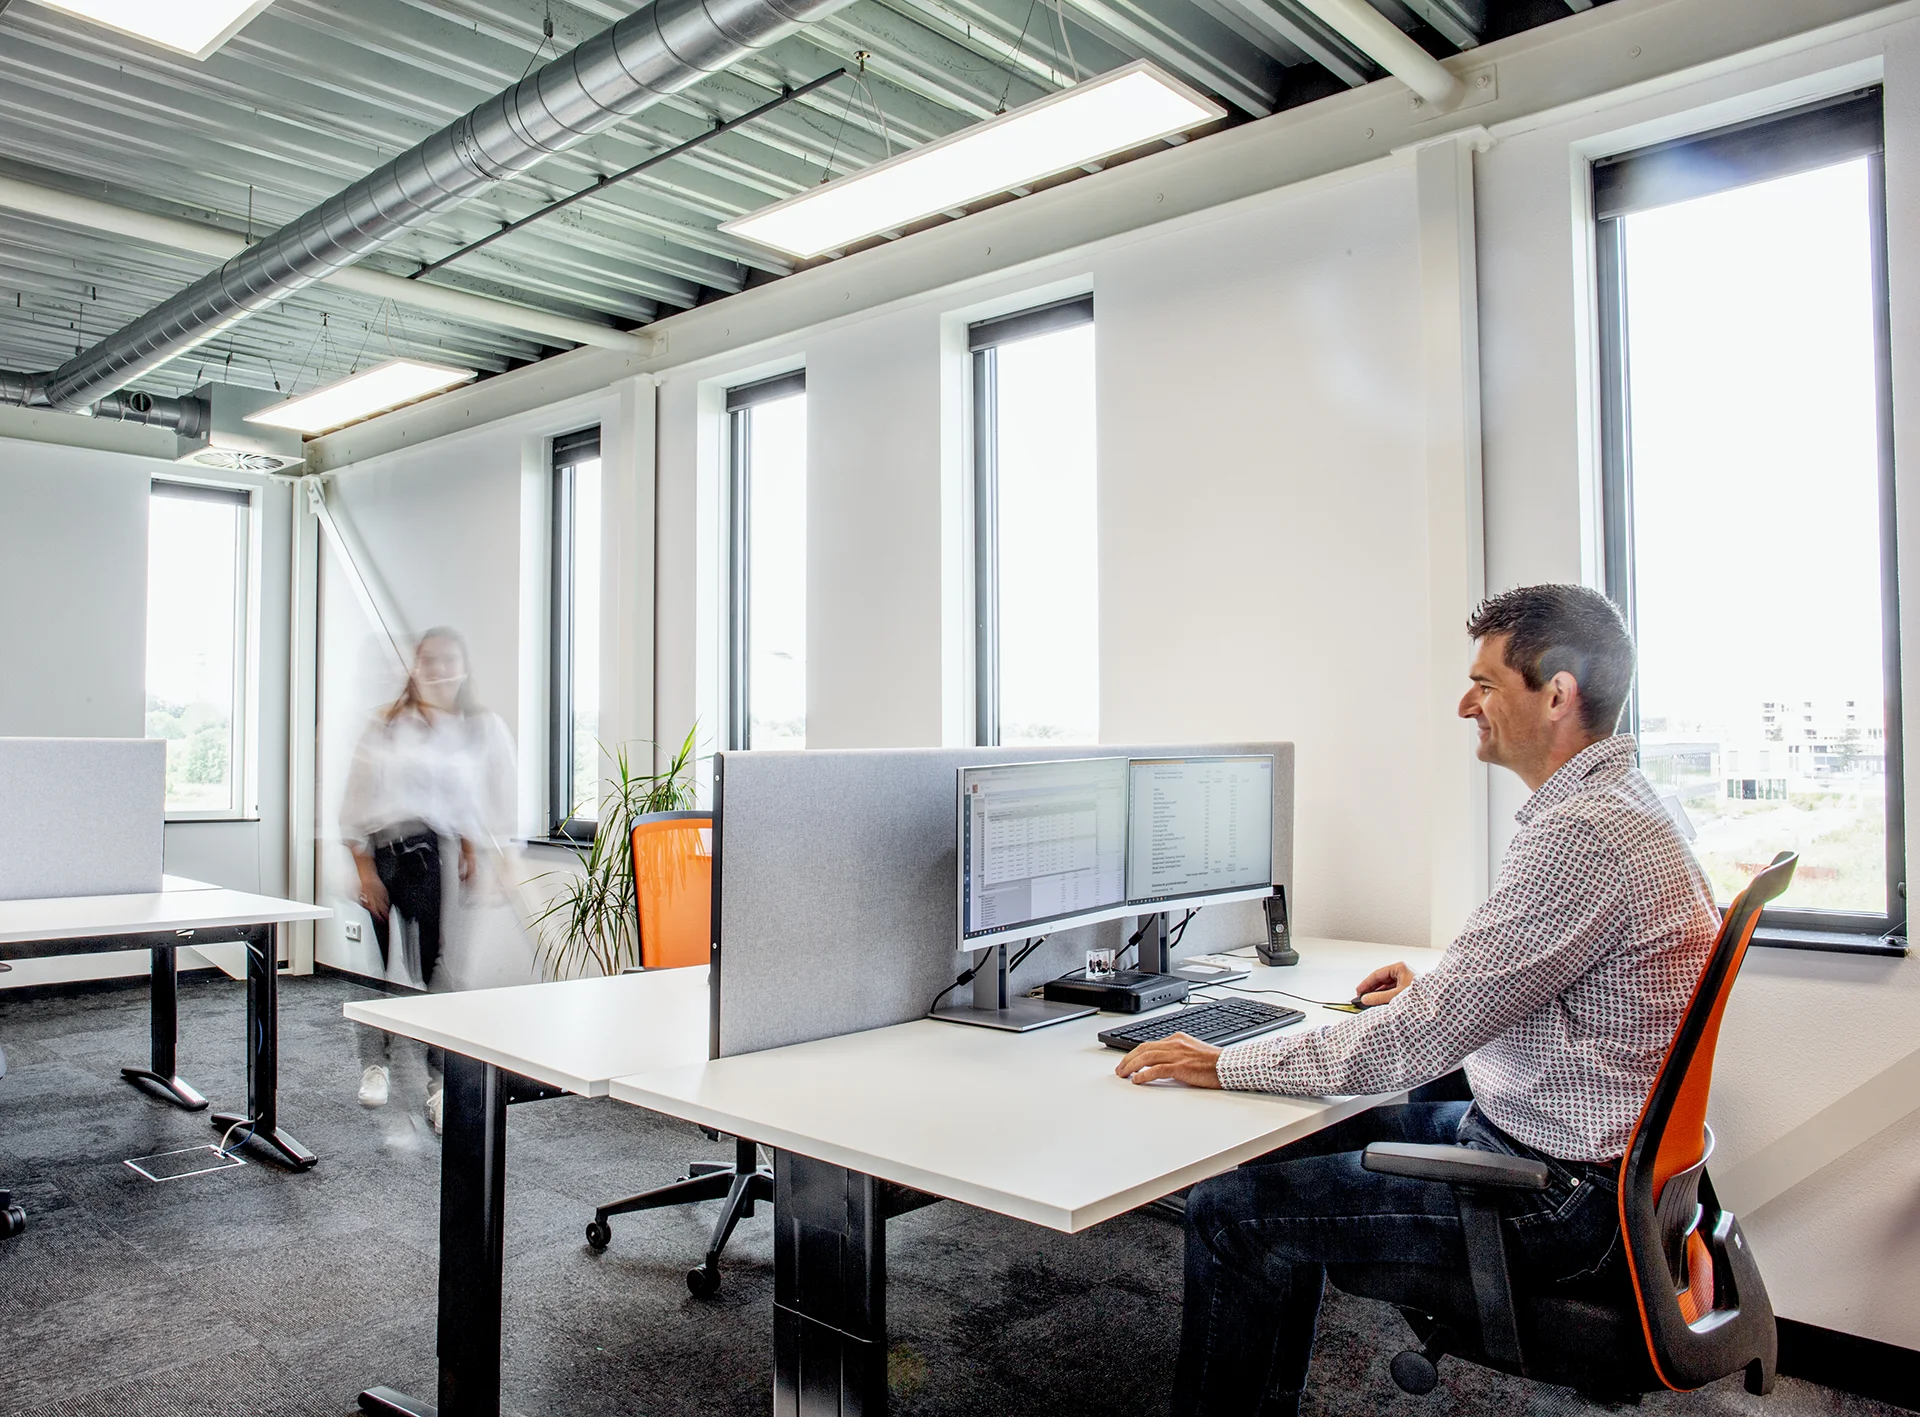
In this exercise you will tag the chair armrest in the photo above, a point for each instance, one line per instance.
(1456, 1165)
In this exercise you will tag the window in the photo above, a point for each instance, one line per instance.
(1036, 542)
(197, 638)
(573, 791)
(1748, 489)
(768, 519)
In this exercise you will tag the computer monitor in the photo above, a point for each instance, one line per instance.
(1199, 831)
(1042, 846)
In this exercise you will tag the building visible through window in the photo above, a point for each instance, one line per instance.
(1749, 497)
(1036, 507)
(197, 635)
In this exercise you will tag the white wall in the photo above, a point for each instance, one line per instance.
(1842, 1248)
(73, 649)
(1260, 425)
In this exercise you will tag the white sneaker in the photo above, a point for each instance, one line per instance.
(373, 1087)
(436, 1108)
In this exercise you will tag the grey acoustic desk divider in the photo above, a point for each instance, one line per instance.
(81, 816)
(834, 894)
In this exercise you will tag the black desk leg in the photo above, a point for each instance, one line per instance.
(829, 1291)
(260, 1123)
(165, 1002)
(473, 1188)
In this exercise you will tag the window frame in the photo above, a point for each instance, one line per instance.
(984, 338)
(741, 400)
(566, 453)
(243, 804)
(1804, 139)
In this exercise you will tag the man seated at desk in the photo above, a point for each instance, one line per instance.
(1560, 998)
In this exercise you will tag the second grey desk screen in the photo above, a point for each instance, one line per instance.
(834, 886)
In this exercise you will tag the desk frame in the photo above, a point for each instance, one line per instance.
(473, 1194)
(161, 1077)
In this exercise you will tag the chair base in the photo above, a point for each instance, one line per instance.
(742, 1185)
(12, 1218)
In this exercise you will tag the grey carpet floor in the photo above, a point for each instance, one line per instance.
(256, 1291)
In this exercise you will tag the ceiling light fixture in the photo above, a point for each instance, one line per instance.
(361, 395)
(196, 27)
(1132, 105)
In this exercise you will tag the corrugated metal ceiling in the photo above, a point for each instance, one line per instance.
(311, 95)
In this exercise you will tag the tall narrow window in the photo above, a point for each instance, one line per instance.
(197, 583)
(768, 441)
(1749, 501)
(574, 789)
(1036, 537)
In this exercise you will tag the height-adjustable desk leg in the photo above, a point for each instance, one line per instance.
(260, 1123)
(829, 1291)
(161, 1078)
(473, 1191)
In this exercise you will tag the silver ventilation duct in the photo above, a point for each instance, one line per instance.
(186, 416)
(650, 54)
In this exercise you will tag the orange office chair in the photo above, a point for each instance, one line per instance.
(673, 895)
(1687, 1308)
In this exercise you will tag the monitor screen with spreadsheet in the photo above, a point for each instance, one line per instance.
(1199, 827)
(1042, 846)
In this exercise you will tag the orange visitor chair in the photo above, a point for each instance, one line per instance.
(673, 895)
(1686, 1308)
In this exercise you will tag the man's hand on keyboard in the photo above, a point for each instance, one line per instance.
(1179, 1058)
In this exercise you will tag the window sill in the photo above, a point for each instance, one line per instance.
(1832, 942)
(210, 817)
(567, 843)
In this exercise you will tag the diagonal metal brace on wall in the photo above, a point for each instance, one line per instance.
(1875, 1105)
(373, 598)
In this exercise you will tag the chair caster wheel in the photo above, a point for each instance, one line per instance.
(599, 1234)
(1414, 1373)
(13, 1220)
(703, 1282)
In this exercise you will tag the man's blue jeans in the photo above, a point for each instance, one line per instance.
(1259, 1240)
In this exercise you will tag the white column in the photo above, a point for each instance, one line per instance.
(627, 550)
(303, 663)
(1456, 547)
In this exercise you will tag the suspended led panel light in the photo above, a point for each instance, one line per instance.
(196, 27)
(1130, 106)
(361, 395)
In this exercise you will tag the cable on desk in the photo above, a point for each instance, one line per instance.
(1345, 1006)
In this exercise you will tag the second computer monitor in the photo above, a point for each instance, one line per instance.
(1042, 846)
(1199, 828)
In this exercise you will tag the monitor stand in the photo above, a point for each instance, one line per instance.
(1154, 957)
(991, 1008)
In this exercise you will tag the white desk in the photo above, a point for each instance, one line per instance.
(1031, 1125)
(506, 1046)
(182, 912)
(577, 1035)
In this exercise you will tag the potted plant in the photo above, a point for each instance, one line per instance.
(590, 919)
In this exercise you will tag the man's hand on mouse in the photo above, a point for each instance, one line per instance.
(1179, 1058)
(1382, 986)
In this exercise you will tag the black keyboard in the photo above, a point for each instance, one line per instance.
(1221, 1023)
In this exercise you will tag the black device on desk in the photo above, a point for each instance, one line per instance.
(1277, 948)
(1124, 991)
(1229, 1021)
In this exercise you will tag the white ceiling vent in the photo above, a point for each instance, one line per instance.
(231, 444)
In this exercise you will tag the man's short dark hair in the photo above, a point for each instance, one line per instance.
(1555, 628)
